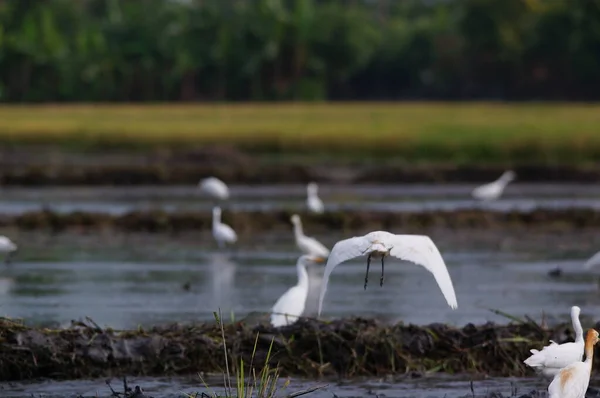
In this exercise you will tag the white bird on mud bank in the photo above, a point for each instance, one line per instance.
(306, 244)
(313, 202)
(493, 190)
(418, 249)
(553, 357)
(291, 304)
(573, 380)
(214, 188)
(7, 246)
(222, 233)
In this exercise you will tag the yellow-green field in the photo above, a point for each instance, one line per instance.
(467, 132)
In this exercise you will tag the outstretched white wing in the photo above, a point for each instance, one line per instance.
(421, 250)
(342, 251)
(593, 261)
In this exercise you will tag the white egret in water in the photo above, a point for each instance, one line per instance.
(291, 304)
(222, 233)
(306, 244)
(313, 202)
(493, 190)
(418, 249)
(7, 246)
(553, 357)
(592, 262)
(573, 380)
(214, 188)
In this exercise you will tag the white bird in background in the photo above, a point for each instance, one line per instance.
(553, 357)
(291, 304)
(493, 190)
(7, 246)
(222, 233)
(572, 381)
(418, 249)
(306, 244)
(313, 202)
(214, 188)
(592, 262)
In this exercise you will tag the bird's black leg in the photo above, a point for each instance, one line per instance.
(381, 280)
(367, 274)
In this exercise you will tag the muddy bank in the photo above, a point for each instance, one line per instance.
(345, 348)
(158, 221)
(40, 167)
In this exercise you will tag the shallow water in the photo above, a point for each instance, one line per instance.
(407, 198)
(124, 281)
(400, 387)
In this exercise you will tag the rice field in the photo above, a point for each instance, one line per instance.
(429, 132)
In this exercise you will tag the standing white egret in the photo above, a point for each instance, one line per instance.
(222, 233)
(7, 246)
(214, 188)
(572, 381)
(291, 304)
(493, 190)
(592, 262)
(306, 244)
(313, 202)
(553, 357)
(418, 249)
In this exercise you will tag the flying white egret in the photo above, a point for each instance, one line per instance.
(306, 244)
(7, 246)
(418, 249)
(222, 233)
(493, 190)
(313, 202)
(214, 188)
(573, 380)
(553, 357)
(291, 304)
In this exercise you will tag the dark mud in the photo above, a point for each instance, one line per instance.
(158, 221)
(46, 166)
(344, 348)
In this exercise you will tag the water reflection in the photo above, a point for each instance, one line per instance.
(221, 282)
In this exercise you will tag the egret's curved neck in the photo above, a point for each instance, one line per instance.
(589, 352)
(504, 180)
(302, 275)
(312, 193)
(577, 327)
(298, 232)
(216, 219)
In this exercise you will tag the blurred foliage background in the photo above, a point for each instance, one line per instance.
(156, 50)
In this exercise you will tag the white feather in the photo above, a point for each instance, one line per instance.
(214, 188)
(292, 303)
(306, 244)
(222, 233)
(7, 245)
(313, 202)
(553, 357)
(493, 190)
(418, 249)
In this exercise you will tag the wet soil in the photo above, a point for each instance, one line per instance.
(344, 348)
(159, 221)
(43, 166)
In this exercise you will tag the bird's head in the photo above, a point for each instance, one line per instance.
(509, 175)
(295, 219)
(312, 188)
(216, 211)
(575, 310)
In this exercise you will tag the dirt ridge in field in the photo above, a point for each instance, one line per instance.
(346, 347)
